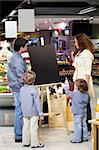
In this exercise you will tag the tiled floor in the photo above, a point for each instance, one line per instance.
(54, 139)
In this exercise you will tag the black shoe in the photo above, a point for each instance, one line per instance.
(38, 146)
(18, 140)
(26, 145)
(85, 140)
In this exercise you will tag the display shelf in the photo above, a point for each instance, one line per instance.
(95, 67)
(4, 88)
(96, 82)
(61, 45)
(66, 73)
(65, 68)
(95, 74)
(5, 93)
(96, 55)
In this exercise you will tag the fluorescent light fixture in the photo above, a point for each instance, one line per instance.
(87, 10)
(10, 29)
(42, 41)
(12, 13)
(4, 20)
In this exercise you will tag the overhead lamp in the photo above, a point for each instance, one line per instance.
(4, 20)
(87, 10)
(12, 13)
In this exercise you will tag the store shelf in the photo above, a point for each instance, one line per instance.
(97, 56)
(66, 73)
(96, 82)
(95, 74)
(95, 67)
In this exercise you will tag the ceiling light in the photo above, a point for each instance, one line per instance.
(84, 19)
(10, 18)
(4, 20)
(50, 28)
(91, 17)
(87, 10)
(45, 21)
(12, 13)
(63, 19)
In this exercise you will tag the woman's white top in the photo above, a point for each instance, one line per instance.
(83, 67)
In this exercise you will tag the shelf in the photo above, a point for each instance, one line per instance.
(96, 82)
(95, 55)
(65, 73)
(95, 74)
(95, 63)
(3, 61)
(96, 51)
(9, 94)
(3, 84)
(95, 69)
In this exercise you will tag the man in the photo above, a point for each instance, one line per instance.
(16, 68)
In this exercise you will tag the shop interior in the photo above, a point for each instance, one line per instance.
(56, 24)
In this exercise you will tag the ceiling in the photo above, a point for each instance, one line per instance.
(50, 11)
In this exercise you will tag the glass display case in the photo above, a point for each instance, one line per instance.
(6, 97)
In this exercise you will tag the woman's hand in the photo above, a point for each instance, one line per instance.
(41, 117)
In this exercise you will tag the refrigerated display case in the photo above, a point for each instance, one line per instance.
(6, 97)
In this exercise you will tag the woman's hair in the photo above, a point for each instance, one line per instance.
(81, 85)
(29, 77)
(18, 43)
(84, 42)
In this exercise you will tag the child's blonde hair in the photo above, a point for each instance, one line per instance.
(81, 85)
(29, 77)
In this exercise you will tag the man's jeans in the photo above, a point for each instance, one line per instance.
(80, 128)
(18, 119)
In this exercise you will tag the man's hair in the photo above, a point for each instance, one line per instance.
(29, 77)
(18, 43)
(81, 85)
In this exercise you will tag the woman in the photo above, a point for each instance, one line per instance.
(83, 58)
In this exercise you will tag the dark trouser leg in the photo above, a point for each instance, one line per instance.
(89, 116)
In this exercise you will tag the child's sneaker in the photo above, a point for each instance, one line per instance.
(73, 141)
(38, 146)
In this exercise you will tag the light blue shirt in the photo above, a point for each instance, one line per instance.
(30, 102)
(79, 102)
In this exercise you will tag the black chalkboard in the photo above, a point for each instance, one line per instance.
(43, 62)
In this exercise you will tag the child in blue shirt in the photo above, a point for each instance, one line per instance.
(79, 109)
(31, 109)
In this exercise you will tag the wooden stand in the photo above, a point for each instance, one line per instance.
(61, 107)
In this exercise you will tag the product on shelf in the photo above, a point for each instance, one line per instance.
(4, 88)
(95, 68)
(3, 68)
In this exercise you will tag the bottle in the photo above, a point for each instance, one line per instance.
(97, 110)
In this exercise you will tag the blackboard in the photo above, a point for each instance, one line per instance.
(43, 62)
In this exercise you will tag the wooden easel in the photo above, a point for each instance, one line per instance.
(45, 88)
